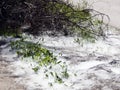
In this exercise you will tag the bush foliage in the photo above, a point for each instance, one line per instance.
(49, 16)
(43, 58)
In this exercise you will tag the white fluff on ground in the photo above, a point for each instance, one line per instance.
(87, 64)
(93, 66)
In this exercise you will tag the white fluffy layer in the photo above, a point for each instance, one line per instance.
(94, 65)
(82, 74)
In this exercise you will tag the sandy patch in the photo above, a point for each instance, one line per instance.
(7, 82)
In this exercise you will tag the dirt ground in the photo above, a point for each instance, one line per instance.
(7, 82)
(108, 7)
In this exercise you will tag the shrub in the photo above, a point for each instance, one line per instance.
(43, 58)
(55, 16)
